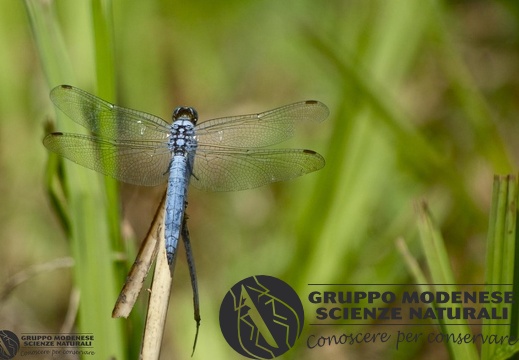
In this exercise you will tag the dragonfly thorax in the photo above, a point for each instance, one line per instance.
(182, 136)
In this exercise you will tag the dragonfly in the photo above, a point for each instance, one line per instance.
(222, 154)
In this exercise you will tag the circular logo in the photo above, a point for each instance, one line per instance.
(9, 344)
(261, 317)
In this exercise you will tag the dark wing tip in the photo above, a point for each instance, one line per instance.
(50, 136)
(322, 111)
(60, 87)
(53, 134)
(63, 86)
(318, 158)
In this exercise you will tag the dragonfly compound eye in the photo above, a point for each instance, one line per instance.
(185, 112)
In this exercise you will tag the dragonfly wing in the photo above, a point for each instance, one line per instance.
(105, 119)
(258, 130)
(140, 163)
(226, 169)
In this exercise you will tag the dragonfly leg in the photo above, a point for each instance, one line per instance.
(192, 273)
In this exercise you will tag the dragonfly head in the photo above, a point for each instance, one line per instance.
(185, 113)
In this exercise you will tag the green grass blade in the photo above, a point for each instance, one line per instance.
(500, 260)
(440, 271)
(94, 273)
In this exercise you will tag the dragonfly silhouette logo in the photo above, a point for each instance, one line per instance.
(9, 344)
(261, 317)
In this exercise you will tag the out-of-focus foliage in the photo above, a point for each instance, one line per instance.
(423, 99)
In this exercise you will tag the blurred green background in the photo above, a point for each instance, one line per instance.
(424, 105)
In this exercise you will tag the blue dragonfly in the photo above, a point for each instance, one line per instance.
(223, 154)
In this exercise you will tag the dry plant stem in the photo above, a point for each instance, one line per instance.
(141, 266)
(157, 306)
(19, 278)
(159, 299)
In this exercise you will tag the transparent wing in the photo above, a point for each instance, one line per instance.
(140, 163)
(105, 119)
(258, 130)
(228, 169)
